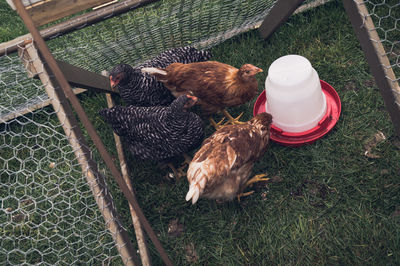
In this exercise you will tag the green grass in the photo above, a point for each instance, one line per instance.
(333, 205)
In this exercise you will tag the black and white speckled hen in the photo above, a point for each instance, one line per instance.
(141, 89)
(157, 132)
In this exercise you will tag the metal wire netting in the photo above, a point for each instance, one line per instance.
(48, 214)
(386, 18)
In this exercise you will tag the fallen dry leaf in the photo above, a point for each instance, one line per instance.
(276, 179)
(175, 229)
(191, 254)
(396, 212)
(396, 143)
(372, 143)
(18, 218)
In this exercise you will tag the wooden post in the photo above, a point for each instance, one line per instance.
(279, 13)
(65, 91)
(140, 237)
(97, 184)
(376, 56)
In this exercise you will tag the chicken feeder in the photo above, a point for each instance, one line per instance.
(303, 107)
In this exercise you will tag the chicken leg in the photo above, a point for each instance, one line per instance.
(215, 124)
(232, 120)
(256, 178)
(180, 172)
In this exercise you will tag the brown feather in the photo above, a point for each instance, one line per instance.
(217, 85)
(224, 162)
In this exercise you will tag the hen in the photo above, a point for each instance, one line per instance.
(220, 169)
(217, 85)
(157, 132)
(140, 89)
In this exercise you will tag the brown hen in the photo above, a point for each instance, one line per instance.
(221, 168)
(215, 84)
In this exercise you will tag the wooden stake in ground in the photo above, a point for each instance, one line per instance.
(140, 237)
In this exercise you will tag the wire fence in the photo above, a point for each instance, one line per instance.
(48, 214)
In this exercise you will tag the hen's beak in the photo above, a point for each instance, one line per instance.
(192, 101)
(258, 70)
(112, 82)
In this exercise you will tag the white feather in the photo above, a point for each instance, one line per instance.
(197, 177)
(190, 193)
(153, 70)
(195, 196)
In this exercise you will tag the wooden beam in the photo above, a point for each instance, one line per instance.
(140, 237)
(74, 23)
(82, 78)
(47, 11)
(89, 167)
(278, 14)
(376, 56)
(64, 90)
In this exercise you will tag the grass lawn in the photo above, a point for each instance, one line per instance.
(328, 203)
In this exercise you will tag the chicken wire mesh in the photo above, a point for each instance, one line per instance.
(48, 214)
(386, 18)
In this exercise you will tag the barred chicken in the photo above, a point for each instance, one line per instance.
(141, 89)
(158, 132)
(220, 169)
(217, 85)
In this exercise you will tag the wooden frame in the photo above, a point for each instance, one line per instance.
(76, 22)
(376, 56)
(47, 11)
(89, 167)
(64, 92)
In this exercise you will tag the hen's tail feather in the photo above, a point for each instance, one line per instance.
(193, 194)
(198, 183)
(154, 71)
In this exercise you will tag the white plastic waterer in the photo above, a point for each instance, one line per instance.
(294, 94)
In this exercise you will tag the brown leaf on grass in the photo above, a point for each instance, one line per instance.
(396, 142)
(191, 254)
(351, 86)
(276, 179)
(369, 82)
(18, 218)
(175, 229)
(396, 212)
(372, 143)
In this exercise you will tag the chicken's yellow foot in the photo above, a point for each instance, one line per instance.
(256, 178)
(233, 121)
(244, 194)
(214, 124)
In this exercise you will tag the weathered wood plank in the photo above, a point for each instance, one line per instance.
(140, 237)
(278, 14)
(64, 89)
(376, 56)
(50, 10)
(82, 78)
(89, 168)
(77, 22)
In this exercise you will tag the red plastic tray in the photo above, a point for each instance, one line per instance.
(327, 122)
